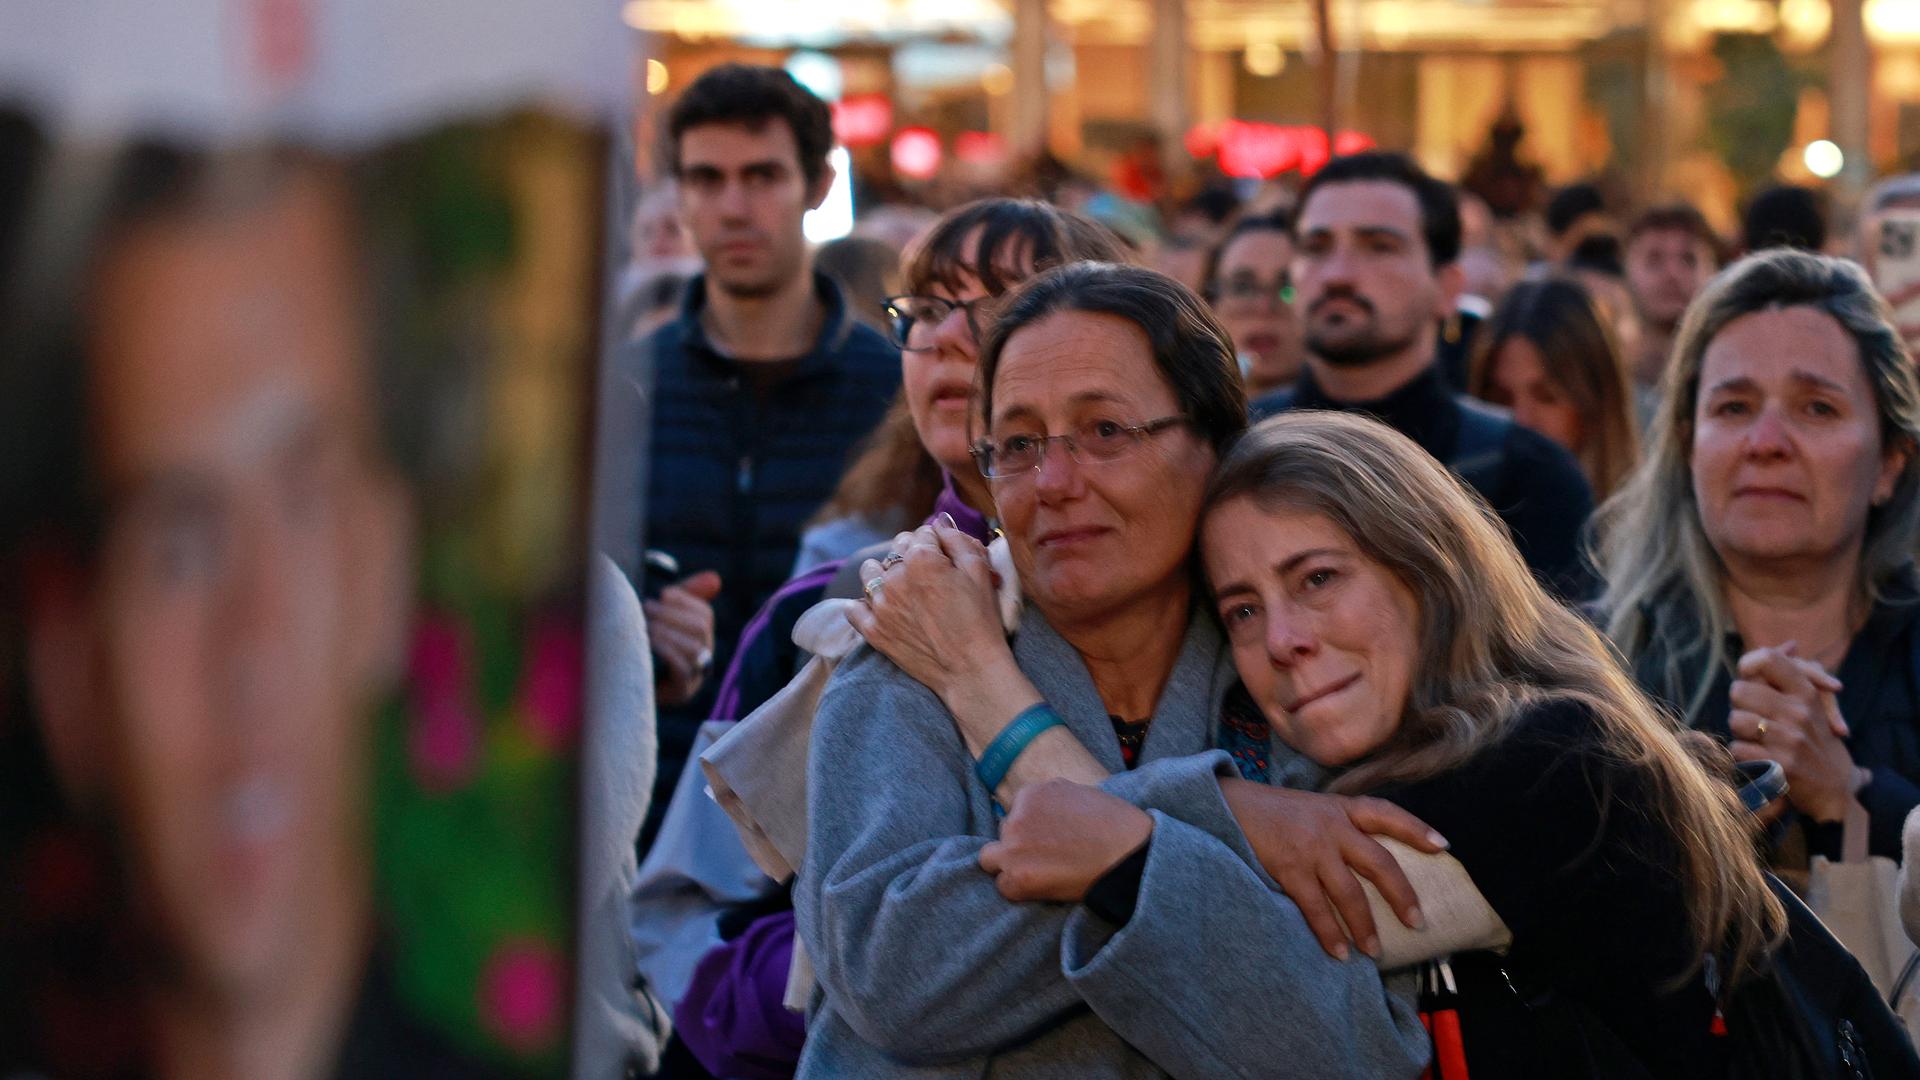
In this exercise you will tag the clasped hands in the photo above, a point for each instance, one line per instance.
(1785, 709)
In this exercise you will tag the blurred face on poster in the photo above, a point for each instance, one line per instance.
(205, 674)
(743, 198)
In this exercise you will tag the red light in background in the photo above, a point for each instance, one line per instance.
(1352, 142)
(1202, 140)
(862, 119)
(1257, 151)
(1314, 150)
(916, 153)
(979, 147)
(1254, 150)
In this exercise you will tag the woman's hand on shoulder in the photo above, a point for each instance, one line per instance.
(1317, 847)
(1785, 709)
(930, 608)
(1059, 838)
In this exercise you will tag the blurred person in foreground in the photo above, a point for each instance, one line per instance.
(1670, 253)
(761, 385)
(1546, 354)
(217, 593)
(1375, 273)
(1248, 285)
(1760, 563)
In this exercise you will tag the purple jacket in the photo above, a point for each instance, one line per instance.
(732, 1016)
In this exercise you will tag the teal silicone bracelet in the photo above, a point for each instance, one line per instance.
(1012, 740)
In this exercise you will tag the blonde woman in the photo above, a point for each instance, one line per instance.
(1547, 354)
(1759, 566)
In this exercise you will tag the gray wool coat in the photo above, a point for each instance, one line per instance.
(927, 971)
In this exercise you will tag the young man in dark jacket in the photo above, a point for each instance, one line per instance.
(761, 387)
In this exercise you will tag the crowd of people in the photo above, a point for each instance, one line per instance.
(1411, 551)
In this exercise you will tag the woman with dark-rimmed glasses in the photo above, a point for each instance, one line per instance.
(698, 884)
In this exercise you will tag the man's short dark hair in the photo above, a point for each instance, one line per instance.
(1439, 206)
(1599, 253)
(1216, 203)
(1785, 216)
(1570, 204)
(1674, 217)
(752, 95)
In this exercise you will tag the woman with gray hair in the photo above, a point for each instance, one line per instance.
(1108, 393)
(1759, 565)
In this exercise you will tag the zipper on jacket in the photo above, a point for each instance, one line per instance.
(1852, 1060)
(743, 478)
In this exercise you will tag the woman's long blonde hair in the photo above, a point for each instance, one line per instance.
(1494, 644)
(1663, 577)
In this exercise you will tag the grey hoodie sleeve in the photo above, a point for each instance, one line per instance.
(1217, 975)
(916, 949)
(1215, 948)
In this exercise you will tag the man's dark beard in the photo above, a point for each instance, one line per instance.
(1357, 352)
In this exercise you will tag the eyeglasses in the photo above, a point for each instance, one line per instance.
(1254, 291)
(904, 313)
(1091, 443)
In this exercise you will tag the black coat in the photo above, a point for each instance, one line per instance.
(1880, 700)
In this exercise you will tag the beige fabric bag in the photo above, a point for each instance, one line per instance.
(1859, 900)
(758, 771)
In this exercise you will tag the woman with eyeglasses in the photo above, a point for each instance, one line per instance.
(699, 884)
(1108, 393)
(1248, 285)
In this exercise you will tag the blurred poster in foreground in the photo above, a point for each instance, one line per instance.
(336, 72)
(299, 302)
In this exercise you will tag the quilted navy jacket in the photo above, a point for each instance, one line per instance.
(731, 477)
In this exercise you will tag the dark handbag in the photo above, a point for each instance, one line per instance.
(1813, 1014)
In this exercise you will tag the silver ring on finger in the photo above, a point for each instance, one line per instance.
(893, 559)
(873, 587)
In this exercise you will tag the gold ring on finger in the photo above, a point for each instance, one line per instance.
(1760, 729)
(873, 586)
